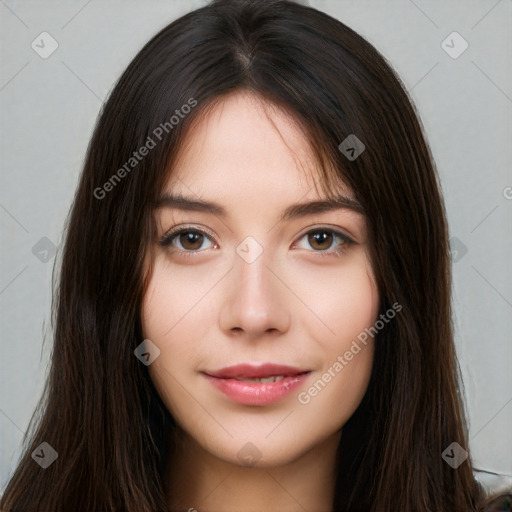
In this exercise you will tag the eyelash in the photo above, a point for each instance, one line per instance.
(168, 238)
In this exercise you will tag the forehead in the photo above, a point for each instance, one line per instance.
(243, 144)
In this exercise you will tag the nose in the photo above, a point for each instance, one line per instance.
(256, 301)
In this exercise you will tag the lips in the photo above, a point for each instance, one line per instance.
(250, 371)
(250, 384)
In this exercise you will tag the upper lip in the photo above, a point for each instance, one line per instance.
(253, 371)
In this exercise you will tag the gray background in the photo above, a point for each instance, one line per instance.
(49, 107)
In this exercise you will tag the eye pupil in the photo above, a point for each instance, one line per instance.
(192, 238)
(319, 237)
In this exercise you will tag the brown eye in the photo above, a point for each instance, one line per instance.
(186, 240)
(325, 242)
(191, 240)
(320, 240)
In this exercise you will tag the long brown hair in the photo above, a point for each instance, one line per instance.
(99, 409)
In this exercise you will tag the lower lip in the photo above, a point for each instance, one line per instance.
(257, 393)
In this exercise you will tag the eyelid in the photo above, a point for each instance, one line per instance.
(327, 227)
(173, 230)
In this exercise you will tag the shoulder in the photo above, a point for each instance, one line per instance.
(498, 490)
(499, 503)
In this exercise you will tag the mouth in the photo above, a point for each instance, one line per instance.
(250, 384)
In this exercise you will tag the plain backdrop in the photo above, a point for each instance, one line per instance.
(49, 107)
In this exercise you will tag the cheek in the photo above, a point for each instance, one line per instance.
(343, 300)
(347, 303)
(175, 316)
(174, 304)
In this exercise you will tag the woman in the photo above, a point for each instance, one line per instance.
(253, 310)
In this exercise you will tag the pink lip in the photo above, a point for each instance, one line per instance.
(253, 371)
(256, 393)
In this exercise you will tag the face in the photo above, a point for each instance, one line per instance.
(250, 287)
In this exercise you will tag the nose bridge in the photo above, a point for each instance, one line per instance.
(251, 264)
(256, 302)
(253, 280)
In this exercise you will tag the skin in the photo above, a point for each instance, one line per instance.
(290, 305)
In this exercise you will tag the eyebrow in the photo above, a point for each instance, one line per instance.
(294, 211)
